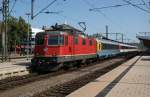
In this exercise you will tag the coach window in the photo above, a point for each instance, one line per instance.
(66, 40)
(83, 41)
(76, 40)
(104, 46)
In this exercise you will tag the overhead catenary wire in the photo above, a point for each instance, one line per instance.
(42, 10)
(99, 11)
(91, 5)
(136, 6)
(13, 6)
(145, 4)
(143, 1)
(118, 5)
(149, 3)
(105, 16)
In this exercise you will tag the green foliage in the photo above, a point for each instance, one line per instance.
(17, 31)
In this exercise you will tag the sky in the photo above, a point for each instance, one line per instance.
(126, 19)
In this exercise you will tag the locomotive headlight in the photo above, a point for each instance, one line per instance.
(45, 49)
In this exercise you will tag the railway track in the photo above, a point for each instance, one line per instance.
(62, 90)
(64, 86)
(12, 82)
(22, 80)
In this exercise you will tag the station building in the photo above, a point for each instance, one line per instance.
(144, 40)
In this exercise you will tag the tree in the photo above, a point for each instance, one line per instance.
(17, 31)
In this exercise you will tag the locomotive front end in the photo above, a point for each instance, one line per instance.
(47, 50)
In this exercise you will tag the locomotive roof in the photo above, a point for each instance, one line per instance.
(64, 28)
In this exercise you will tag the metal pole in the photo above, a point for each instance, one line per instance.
(3, 33)
(122, 37)
(28, 40)
(5, 12)
(3, 42)
(116, 36)
(107, 31)
(6, 27)
(32, 9)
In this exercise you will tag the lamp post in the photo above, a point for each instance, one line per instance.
(28, 40)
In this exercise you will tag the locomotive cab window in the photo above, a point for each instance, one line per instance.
(76, 40)
(39, 40)
(56, 40)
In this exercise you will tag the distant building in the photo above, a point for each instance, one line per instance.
(144, 38)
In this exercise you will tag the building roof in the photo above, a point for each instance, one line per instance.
(145, 40)
(143, 37)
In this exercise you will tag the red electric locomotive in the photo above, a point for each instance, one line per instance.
(62, 45)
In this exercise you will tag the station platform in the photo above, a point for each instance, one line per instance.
(131, 79)
(14, 67)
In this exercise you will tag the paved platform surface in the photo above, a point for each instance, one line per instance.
(14, 67)
(131, 79)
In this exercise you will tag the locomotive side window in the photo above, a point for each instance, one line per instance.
(39, 40)
(66, 40)
(76, 40)
(55, 40)
(83, 41)
(61, 40)
(91, 43)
